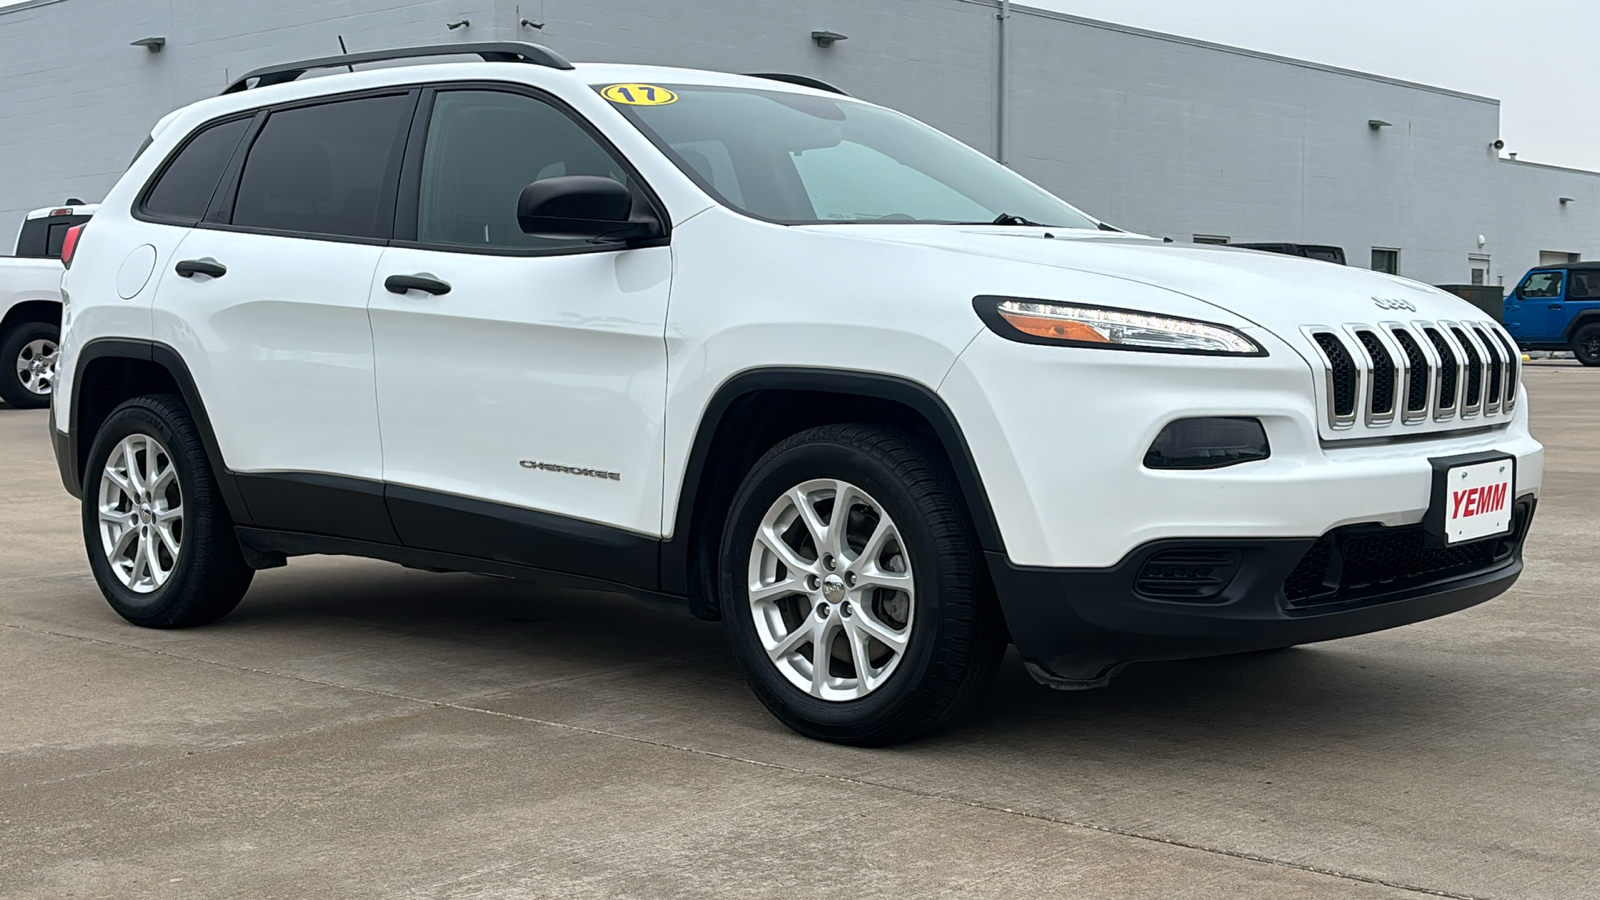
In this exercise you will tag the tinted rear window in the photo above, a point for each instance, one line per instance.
(322, 169)
(184, 189)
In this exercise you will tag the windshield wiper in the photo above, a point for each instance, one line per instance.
(1009, 219)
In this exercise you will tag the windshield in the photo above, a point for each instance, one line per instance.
(799, 159)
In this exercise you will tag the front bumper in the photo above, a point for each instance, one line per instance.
(1075, 628)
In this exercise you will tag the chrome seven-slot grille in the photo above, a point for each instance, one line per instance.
(1425, 375)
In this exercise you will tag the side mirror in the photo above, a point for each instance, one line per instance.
(581, 206)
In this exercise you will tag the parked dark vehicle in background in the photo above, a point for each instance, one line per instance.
(1558, 308)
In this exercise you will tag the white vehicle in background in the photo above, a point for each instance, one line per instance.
(791, 359)
(30, 304)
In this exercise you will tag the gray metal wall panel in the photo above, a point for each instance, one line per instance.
(1158, 134)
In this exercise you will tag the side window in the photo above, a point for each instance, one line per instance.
(483, 148)
(1543, 285)
(1585, 286)
(323, 169)
(184, 188)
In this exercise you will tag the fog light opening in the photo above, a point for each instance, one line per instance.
(1208, 443)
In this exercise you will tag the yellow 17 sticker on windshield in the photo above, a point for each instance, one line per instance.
(639, 95)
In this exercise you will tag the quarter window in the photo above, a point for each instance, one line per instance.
(483, 148)
(323, 169)
(1543, 285)
(184, 189)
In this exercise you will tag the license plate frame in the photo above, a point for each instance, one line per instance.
(1470, 475)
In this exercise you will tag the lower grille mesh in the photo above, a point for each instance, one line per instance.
(1350, 563)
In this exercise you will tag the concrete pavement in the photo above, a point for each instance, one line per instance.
(359, 730)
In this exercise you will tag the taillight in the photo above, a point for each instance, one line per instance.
(69, 243)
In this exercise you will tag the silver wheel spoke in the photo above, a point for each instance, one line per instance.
(808, 514)
(821, 653)
(791, 560)
(859, 656)
(873, 576)
(764, 593)
(869, 626)
(794, 639)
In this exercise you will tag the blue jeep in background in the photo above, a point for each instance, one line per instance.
(1558, 308)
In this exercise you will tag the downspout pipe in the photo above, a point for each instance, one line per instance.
(1002, 79)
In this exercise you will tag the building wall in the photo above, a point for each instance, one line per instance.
(1154, 133)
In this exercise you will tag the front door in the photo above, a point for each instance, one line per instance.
(1534, 313)
(521, 381)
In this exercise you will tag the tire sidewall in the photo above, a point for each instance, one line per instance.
(1586, 334)
(136, 418)
(775, 475)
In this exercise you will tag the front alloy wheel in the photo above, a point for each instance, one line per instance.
(852, 589)
(141, 513)
(831, 590)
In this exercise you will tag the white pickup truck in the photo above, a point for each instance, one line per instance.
(30, 304)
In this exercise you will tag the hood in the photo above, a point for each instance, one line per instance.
(1278, 292)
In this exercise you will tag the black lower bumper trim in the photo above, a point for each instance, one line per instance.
(1076, 627)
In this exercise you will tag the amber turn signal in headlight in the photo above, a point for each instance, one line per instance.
(1047, 322)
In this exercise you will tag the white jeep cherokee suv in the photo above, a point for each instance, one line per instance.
(792, 359)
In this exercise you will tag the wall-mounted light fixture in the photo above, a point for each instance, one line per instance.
(1497, 145)
(826, 39)
(153, 44)
(1375, 124)
(1565, 200)
(529, 23)
(460, 24)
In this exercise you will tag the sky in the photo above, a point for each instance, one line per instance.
(1535, 56)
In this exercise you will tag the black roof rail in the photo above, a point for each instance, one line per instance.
(801, 80)
(497, 51)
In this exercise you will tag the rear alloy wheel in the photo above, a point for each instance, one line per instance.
(1586, 345)
(852, 589)
(160, 542)
(30, 352)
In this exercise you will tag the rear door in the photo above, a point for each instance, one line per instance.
(522, 409)
(266, 302)
(1583, 298)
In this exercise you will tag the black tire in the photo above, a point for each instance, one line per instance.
(957, 634)
(12, 344)
(209, 576)
(1586, 344)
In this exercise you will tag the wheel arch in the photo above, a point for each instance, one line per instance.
(109, 371)
(754, 410)
(1587, 317)
(47, 312)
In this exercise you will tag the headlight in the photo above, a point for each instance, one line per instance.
(1077, 325)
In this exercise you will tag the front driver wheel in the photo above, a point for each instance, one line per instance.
(160, 543)
(851, 587)
(1586, 345)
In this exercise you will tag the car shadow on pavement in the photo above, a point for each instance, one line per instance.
(615, 659)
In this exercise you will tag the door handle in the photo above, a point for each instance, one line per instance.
(189, 268)
(399, 284)
(1555, 306)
